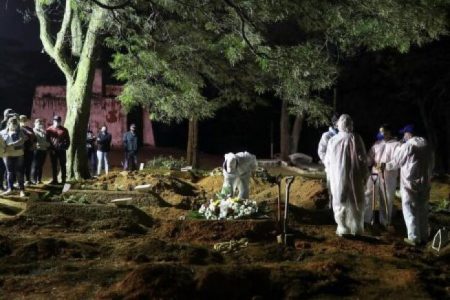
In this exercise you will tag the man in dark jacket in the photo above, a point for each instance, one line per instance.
(91, 151)
(103, 148)
(28, 149)
(130, 144)
(58, 137)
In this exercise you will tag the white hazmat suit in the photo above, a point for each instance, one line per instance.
(322, 150)
(414, 158)
(345, 161)
(381, 152)
(237, 170)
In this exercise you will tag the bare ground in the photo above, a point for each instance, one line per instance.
(153, 250)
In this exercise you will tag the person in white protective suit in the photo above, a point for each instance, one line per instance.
(322, 150)
(345, 161)
(237, 170)
(381, 152)
(415, 160)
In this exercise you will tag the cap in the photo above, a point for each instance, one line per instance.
(408, 128)
(56, 118)
(23, 118)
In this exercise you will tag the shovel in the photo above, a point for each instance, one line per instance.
(279, 178)
(385, 197)
(373, 177)
(287, 238)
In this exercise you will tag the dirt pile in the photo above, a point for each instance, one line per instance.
(228, 282)
(156, 250)
(213, 231)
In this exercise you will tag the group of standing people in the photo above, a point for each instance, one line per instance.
(356, 178)
(24, 149)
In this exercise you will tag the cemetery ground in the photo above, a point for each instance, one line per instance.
(154, 244)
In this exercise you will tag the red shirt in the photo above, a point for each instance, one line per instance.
(58, 138)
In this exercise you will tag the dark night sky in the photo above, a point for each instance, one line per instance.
(13, 26)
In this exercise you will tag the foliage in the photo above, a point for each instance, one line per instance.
(166, 162)
(175, 50)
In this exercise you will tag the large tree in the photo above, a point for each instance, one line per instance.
(176, 68)
(296, 46)
(79, 27)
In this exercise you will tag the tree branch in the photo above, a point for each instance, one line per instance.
(55, 49)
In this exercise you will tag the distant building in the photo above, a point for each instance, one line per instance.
(105, 110)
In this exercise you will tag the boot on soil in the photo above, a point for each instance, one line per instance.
(7, 192)
(411, 242)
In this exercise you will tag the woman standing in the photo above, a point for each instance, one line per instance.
(40, 153)
(104, 146)
(14, 139)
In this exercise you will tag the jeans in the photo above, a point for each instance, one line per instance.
(58, 156)
(130, 160)
(14, 169)
(102, 158)
(38, 164)
(27, 161)
(2, 173)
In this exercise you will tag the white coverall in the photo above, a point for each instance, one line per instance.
(381, 152)
(322, 150)
(414, 158)
(237, 170)
(345, 161)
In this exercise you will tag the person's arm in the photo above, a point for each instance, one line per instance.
(322, 148)
(399, 158)
(19, 142)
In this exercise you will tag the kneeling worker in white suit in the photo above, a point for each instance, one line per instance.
(237, 170)
(415, 160)
(345, 161)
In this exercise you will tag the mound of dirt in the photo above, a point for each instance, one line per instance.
(154, 250)
(86, 212)
(50, 248)
(304, 193)
(154, 282)
(208, 231)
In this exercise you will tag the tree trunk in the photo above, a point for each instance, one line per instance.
(296, 132)
(192, 145)
(284, 131)
(78, 70)
(78, 99)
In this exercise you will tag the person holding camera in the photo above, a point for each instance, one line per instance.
(58, 137)
(14, 139)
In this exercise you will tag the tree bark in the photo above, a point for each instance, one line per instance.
(296, 132)
(192, 145)
(79, 77)
(284, 131)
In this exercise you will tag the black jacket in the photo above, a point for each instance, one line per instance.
(130, 142)
(104, 141)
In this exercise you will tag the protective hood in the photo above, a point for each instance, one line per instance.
(345, 123)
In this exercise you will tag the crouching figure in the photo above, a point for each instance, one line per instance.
(237, 170)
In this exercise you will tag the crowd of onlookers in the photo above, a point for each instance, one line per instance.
(24, 149)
